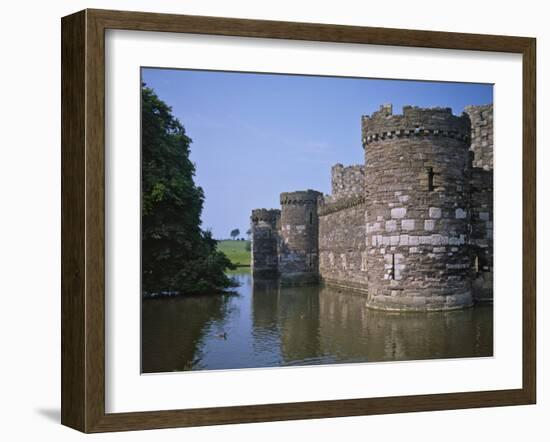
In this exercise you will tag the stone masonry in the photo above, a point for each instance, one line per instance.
(411, 229)
(347, 182)
(298, 249)
(417, 176)
(342, 247)
(264, 226)
(481, 238)
(481, 118)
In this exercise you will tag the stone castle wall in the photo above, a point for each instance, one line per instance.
(412, 228)
(481, 238)
(417, 176)
(342, 249)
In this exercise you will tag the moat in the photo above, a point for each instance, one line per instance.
(265, 325)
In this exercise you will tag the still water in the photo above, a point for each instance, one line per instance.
(264, 325)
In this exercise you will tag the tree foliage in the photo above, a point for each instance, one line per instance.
(177, 255)
(234, 233)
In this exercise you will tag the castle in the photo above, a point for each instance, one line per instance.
(411, 228)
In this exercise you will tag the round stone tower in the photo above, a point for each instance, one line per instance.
(264, 226)
(417, 193)
(299, 238)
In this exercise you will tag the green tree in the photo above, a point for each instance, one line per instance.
(234, 233)
(177, 256)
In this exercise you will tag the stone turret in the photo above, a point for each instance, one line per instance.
(347, 182)
(481, 118)
(299, 237)
(417, 197)
(264, 226)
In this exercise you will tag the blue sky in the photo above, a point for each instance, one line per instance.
(257, 135)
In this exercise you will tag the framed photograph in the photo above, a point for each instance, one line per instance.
(270, 220)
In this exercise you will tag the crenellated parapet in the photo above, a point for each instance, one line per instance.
(265, 215)
(328, 206)
(414, 122)
(300, 197)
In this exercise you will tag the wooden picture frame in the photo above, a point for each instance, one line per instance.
(83, 220)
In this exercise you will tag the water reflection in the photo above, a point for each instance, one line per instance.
(172, 330)
(265, 325)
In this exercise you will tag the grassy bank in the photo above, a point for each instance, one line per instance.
(235, 251)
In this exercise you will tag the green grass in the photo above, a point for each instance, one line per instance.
(235, 251)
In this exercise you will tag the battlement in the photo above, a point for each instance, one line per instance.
(414, 121)
(266, 215)
(329, 205)
(300, 197)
